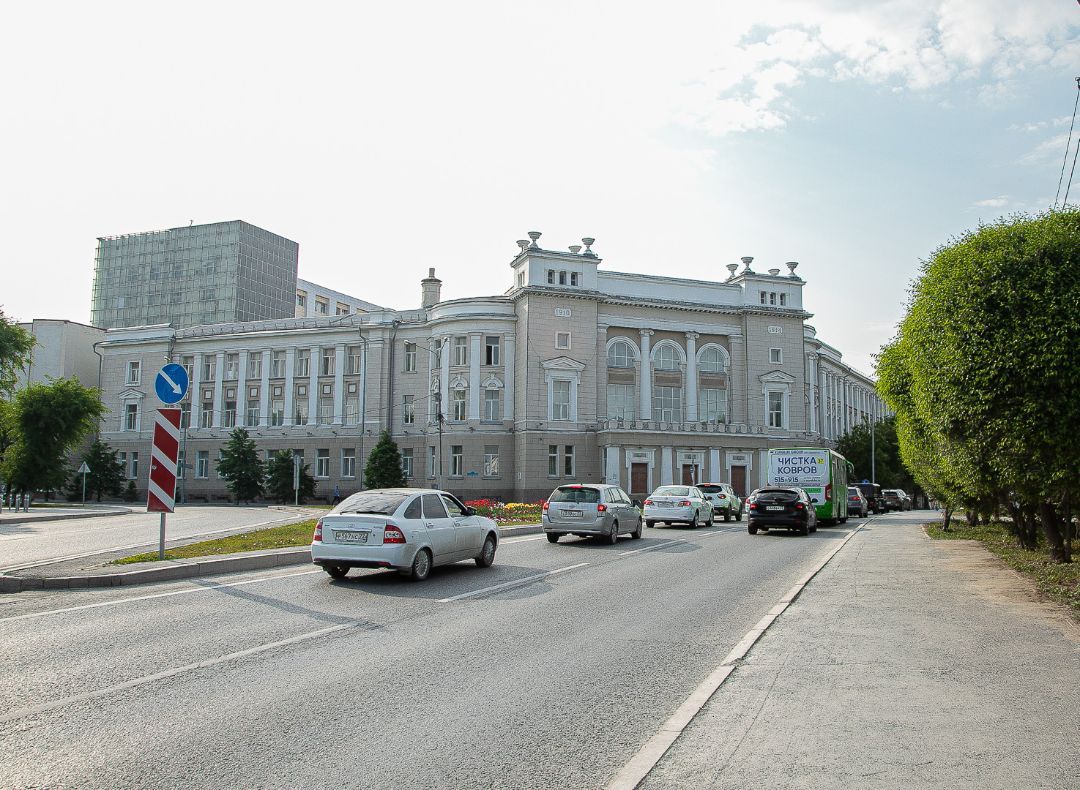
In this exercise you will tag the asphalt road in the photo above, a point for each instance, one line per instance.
(476, 678)
(34, 542)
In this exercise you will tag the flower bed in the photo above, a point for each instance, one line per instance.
(507, 512)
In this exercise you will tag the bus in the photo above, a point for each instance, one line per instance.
(823, 474)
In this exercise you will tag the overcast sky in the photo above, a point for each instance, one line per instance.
(852, 136)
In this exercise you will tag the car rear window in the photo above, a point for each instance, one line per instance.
(853, 491)
(575, 494)
(710, 489)
(777, 496)
(672, 491)
(382, 502)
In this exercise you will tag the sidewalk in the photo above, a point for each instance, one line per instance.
(905, 662)
(61, 513)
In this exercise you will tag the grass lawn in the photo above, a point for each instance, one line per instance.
(282, 537)
(1060, 583)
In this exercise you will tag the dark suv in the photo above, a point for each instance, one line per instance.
(874, 501)
(892, 499)
(781, 508)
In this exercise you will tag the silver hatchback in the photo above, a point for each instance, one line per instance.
(590, 510)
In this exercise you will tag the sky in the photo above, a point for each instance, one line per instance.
(855, 137)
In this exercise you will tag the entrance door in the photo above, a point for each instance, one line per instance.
(738, 480)
(639, 480)
(689, 475)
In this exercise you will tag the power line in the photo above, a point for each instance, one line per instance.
(1065, 202)
(1068, 144)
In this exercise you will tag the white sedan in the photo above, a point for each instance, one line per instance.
(408, 529)
(678, 505)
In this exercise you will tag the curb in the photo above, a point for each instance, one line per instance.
(186, 569)
(63, 516)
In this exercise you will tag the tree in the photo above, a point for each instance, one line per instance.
(44, 424)
(106, 476)
(383, 467)
(279, 479)
(984, 365)
(16, 345)
(241, 468)
(889, 469)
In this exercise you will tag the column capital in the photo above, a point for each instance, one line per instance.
(646, 332)
(692, 335)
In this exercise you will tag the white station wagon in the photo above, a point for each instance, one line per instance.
(408, 529)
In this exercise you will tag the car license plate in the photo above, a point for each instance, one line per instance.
(774, 507)
(665, 504)
(342, 536)
(573, 513)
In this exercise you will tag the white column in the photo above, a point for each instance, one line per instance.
(264, 390)
(219, 374)
(508, 377)
(666, 466)
(474, 375)
(195, 391)
(432, 410)
(241, 388)
(811, 378)
(313, 385)
(445, 386)
(691, 377)
(611, 466)
(601, 372)
(645, 377)
(714, 465)
(339, 384)
(290, 385)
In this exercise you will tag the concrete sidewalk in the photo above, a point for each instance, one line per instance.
(62, 513)
(905, 662)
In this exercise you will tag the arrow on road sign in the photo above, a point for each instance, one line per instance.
(175, 387)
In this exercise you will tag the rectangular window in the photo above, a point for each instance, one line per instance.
(772, 297)
(187, 362)
(228, 417)
(277, 365)
(352, 366)
(326, 411)
(783, 300)
(569, 457)
(410, 357)
(491, 460)
(254, 365)
(407, 462)
(121, 461)
(352, 410)
(301, 299)
(457, 461)
(562, 340)
(408, 416)
(562, 278)
(301, 415)
(553, 460)
(133, 372)
(491, 350)
(322, 306)
(574, 278)
(560, 400)
(322, 463)
(202, 464)
(185, 414)
(303, 361)
(329, 355)
(667, 404)
(713, 405)
(776, 410)
(277, 412)
(232, 367)
(348, 462)
(341, 309)
(551, 276)
(253, 415)
(461, 351)
(764, 298)
(206, 414)
(457, 405)
(492, 405)
(433, 459)
(621, 405)
(181, 463)
(209, 366)
(776, 356)
(131, 417)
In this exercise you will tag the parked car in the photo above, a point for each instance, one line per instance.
(872, 492)
(409, 529)
(781, 508)
(590, 510)
(725, 502)
(856, 502)
(892, 499)
(678, 505)
(908, 504)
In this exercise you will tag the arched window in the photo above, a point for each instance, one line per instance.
(620, 355)
(712, 361)
(667, 358)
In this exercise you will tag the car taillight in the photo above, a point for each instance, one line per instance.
(648, 501)
(318, 531)
(392, 534)
(601, 508)
(723, 496)
(828, 492)
(545, 507)
(798, 505)
(685, 503)
(753, 505)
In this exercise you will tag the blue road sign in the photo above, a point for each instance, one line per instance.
(171, 383)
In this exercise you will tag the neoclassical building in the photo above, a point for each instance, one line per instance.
(575, 373)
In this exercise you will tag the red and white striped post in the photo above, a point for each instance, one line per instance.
(161, 492)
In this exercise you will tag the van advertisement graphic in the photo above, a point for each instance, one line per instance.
(798, 468)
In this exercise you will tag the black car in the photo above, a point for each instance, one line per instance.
(892, 498)
(781, 508)
(874, 499)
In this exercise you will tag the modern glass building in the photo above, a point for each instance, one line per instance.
(189, 276)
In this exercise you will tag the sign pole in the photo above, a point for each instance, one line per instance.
(296, 479)
(84, 488)
(161, 538)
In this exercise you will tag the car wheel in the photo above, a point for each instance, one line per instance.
(487, 555)
(813, 528)
(727, 514)
(613, 538)
(752, 530)
(637, 532)
(336, 571)
(803, 530)
(421, 566)
(693, 521)
(650, 524)
(553, 537)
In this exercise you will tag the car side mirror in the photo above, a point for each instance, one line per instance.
(470, 512)
(636, 503)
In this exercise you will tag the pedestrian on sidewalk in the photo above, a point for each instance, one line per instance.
(337, 495)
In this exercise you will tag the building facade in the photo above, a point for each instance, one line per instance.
(196, 275)
(575, 373)
(62, 349)
(316, 301)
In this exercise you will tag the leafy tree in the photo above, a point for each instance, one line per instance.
(15, 347)
(279, 479)
(383, 467)
(889, 470)
(240, 466)
(984, 366)
(130, 494)
(105, 478)
(44, 424)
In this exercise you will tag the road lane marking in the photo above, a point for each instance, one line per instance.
(168, 673)
(653, 750)
(508, 585)
(117, 602)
